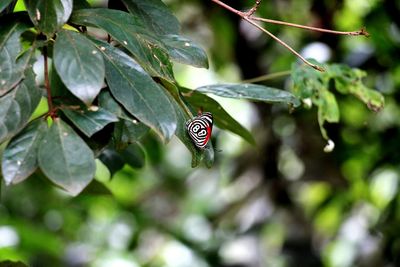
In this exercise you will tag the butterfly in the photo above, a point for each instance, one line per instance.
(199, 129)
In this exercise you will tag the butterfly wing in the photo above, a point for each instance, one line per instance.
(200, 128)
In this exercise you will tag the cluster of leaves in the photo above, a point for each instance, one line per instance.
(315, 87)
(103, 96)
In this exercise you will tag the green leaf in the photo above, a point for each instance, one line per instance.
(129, 32)
(185, 51)
(306, 81)
(11, 68)
(328, 110)
(107, 101)
(90, 121)
(66, 159)
(17, 106)
(20, 156)
(80, 4)
(205, 155)
(138, 93)
(349, 81)
(134, 156)
(128, 132)
(221, 118)
(4, 4)
(49, 15)
(155, 15)
(112, 160)
(253, 92)
(79, 64)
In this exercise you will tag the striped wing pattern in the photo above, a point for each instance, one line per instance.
(199, 129)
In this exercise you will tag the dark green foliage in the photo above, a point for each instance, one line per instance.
(120, 149)
(141, 94)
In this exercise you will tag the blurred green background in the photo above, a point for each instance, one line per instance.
(283, 202)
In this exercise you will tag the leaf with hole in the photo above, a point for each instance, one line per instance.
(79, 65)
(328, 110)
(49, 15)
(252, 92)
(20, 156)
(138, 93)
(65, 158)
(90, 121)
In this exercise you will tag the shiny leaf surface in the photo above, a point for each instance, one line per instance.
(65, 158)
(155, 15)
(20, 156)
(138, 93)
(49, 15)
(79, 65)
(89, 121)
(251, 92)
(129, 32)
(185, 51)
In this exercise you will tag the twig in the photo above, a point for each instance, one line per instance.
(353, 33)
(243, 15)
(285, 45)
(253, 9)
(267, 77)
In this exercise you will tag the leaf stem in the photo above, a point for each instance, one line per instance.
(51, 111)
(266, 77)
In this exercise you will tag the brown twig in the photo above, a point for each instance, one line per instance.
(267, 77)
(353, 33)
(285, 45)
(253, 9)
(51, 111)
(244, 16)
(247, 16)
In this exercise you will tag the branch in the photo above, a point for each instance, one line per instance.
(253, 9)
(353, 33)
(285, 45)
(247, 16)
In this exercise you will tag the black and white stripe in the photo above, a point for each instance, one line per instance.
(199, 129)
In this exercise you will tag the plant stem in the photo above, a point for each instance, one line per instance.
(267, 77)
(285, 45)
(244, 16)
(253, 9)
(353, 33)
(51, 111)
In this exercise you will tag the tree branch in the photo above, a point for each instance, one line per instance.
(353, 33)
(253, 9)
(247, 16)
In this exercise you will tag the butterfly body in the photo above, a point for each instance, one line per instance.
(199, 129)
